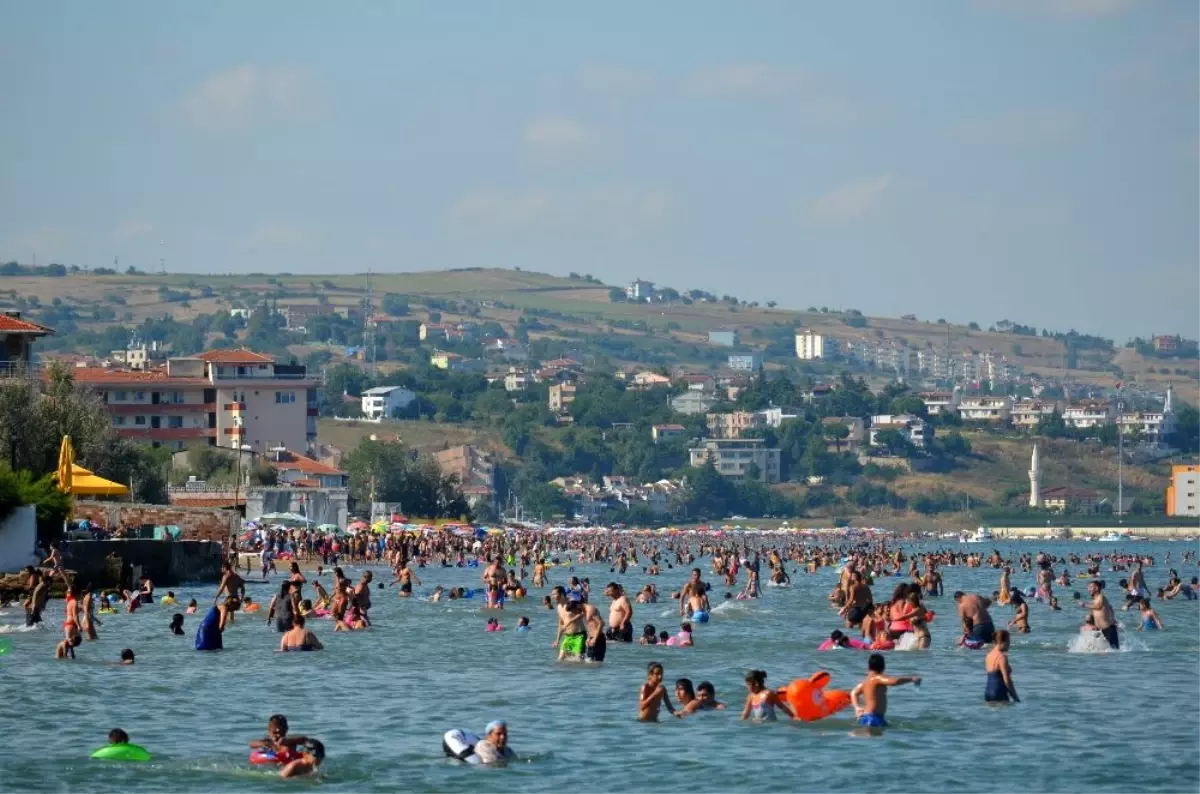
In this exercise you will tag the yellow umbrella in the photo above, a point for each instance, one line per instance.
(66, 462)
(85, 483)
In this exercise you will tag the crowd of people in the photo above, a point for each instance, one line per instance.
(584, 631)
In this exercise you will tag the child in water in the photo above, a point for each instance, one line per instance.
(191, 607)
(653, 695)
(177, 623)
(299, 755)
(523, 624)
(872, 690)
(494, 625)
(648, 635)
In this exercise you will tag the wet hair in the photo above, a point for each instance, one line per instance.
(876, 663)
(298, 620)
(192, 603)
(757, 677)
(836, 635)
(176, 620)
(1002, 637)
(686, 685)
(958, 594)
(278, 721)
(118, 736)
(663, 636)
(127, 655)
(648, 630)
(686, 627)
(652, 667)
(706, 686)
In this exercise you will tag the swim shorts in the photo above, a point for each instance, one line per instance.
(855, 615)
(872, 721)
(984, 633)
(624, 634)
(406, 587)
(597, 650)
(700, 616)
(1111, 635)
(572, 644)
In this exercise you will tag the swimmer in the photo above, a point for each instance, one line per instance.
(871, 712)
(653, 695)
(1000, 687)
(684, 638)
(298, 638)
(177, 624)
(127, 656)
(1054, 607)
(1150, 619)
(761, 702)
(191, 607)
(493, 747)
(66, 648)
(649, 637)
(250, 606)
(494, 625)
(295, 761)
(1021, 622)
(523, 624)
(436, 597)
(169, 599)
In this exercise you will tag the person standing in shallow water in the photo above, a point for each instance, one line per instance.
(1000, 687)
(1102, 614)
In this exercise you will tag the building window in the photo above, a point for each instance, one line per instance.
(139, 396)
(139, 420)
(118, 420)
(174, 421)
(285, 396)
(120, 396)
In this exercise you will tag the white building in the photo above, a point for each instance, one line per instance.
(517, 379)
(1026, 414)
(693, 402)
(937, 402)
(1088, 414)
(382, 402)
(639, 290)
(984, 408)
(1155, 426)
(810, 345)
(775, 416)
(732, 457)
(918, 432)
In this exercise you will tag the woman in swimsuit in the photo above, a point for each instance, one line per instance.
(71, 624)
(298, 638)
(900, 612)
(761, 702)
(1000, 687)
(1021, 622)
(1150, 618)
(88, 615)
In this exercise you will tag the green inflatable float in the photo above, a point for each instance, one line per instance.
(122, 752)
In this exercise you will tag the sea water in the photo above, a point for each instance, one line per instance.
(381, 699)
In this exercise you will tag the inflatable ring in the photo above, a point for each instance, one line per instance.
(121, 752)
(263, 756)
(810, 701)
(460, 746)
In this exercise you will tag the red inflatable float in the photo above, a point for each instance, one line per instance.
(810, 701)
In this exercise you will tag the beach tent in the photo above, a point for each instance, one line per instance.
(283, 518)
(84, 483)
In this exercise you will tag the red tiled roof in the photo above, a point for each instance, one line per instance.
(294, 462)
(102, 375)
(15, 325)
(306, 483)
(206, 501)
(240, 356)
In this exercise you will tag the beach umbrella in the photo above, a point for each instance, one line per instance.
(66, 458)
(357, 525)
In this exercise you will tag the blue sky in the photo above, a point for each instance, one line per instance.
(974, 160)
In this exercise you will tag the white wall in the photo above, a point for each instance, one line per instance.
(18, 537)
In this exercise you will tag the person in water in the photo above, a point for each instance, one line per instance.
(1102, 614)
(653, 695)
(1000, 687)
(66, 648)
(127, 656)
(177, 624)
(649, 635)
(523, 624)
(299, 755)
(1150, 618)
(761, 702)
(493, 747)
(209, 632)
(869, 698)
(298, 638)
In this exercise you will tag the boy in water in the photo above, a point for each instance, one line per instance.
(873, 691)
(653, 695)
(295, 761)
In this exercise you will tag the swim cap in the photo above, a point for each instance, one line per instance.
(494, 724)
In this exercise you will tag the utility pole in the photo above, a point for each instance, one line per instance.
(1120, 463)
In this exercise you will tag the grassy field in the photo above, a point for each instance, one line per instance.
(420, 435)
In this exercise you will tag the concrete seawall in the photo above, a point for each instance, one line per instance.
(119, 563)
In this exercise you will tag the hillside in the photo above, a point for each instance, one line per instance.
(576, 313)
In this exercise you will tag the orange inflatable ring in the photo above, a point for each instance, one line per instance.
(810, 701)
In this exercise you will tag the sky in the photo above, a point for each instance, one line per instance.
(974, 160)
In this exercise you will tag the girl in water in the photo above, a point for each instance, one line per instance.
(1021, 621)
(1150, 618)
(762, 702)
(1000, 687)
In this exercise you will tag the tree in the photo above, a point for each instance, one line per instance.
(392, 473)
(956, 446)
(1187, 429)
(617, 295)
(909, 404)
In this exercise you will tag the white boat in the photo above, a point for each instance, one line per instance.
(1111, 537)
(981, 535)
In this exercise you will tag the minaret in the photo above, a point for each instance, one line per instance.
(1167, 407)
(1035, 494)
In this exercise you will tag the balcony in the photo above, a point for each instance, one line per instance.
(233, 407)
(165, 433)
(20, 369)
(158, 409)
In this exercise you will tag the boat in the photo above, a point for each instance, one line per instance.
(981, 535)
(1111, 537)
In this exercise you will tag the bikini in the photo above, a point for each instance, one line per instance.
(763, 709)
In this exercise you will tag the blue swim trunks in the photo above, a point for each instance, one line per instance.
(700, 616)
(872, 721)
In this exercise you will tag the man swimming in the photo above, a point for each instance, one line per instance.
(872, 711)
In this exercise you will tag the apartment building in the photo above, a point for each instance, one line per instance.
(1087, 414)
(1026, 414)
(382, 402)
(1183, 491)
(639, 290)
(224, 398)
(810, 345)
(984, 408)
(561, 397)
(918, 432)
(733, 424)
(692, 402)
(745, 362)
(661, 432)
(732, 457)
(938, 402)
(475, 470)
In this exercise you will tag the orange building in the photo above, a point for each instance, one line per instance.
(1183, 491)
